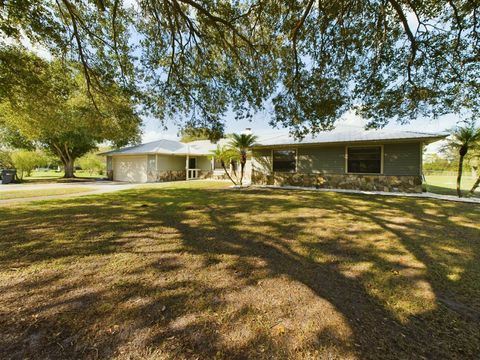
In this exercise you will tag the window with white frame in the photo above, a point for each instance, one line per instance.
(364, 159)
(285, 160)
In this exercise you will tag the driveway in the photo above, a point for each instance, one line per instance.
(94, 187)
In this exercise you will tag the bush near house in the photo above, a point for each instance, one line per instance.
(92, 163)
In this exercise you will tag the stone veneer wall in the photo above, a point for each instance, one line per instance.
(166, 175)
(403, 183)
(175, 175)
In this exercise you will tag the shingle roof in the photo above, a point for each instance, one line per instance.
(339, 136)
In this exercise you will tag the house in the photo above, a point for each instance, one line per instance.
(166, 160)
(360, 160)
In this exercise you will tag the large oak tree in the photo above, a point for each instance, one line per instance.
(45, 103)
(313, 59)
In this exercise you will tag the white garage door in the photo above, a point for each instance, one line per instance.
(130, 168)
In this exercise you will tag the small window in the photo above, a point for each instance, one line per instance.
(284, 160)
(365, 159)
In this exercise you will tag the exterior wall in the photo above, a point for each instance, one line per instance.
(172, 168)
(170, 162)
(219, 174)
(109, 167)
(325, 167)
(130, 168)
(323, 160)
(410, 184)
(402, 159)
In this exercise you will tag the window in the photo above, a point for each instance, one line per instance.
(364, 159)
(284, 160)
(192, 163)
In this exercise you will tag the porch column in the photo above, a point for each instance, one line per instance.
(186, 166)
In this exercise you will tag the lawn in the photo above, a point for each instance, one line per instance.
(447, 184)
(17, 194)
(52, 175)
(197, 270)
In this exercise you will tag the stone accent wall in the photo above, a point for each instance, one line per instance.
(205, 174)
(166, 175)
(409, 184)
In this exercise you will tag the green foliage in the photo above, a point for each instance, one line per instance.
(226, 156)
(434, 162)
(47, 103)
(92, 163)
(241, 143)
(313, 60)
(461, 140)
(189, 134)
(6, 159)
(25, 161)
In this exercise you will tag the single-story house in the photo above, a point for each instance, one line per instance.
(167, 160)
(361, 160)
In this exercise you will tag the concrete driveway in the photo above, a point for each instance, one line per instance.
(94, 187)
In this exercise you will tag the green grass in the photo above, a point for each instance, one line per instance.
(196, 270)
(17, 194)
(447, 184)
(51, 175)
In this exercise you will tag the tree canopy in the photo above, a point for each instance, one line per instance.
(46, 104)
(313, 60)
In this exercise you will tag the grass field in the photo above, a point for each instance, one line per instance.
(17, 194)
(51, 175)
(195, 270)
(447, 184)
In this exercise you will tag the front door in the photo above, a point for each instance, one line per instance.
(192, 164)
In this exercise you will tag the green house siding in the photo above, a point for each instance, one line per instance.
(398, 159)
(402, 159)
(324, 160)
(262, 160)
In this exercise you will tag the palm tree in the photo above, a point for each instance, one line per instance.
(241, 143)
(476, 159)
(463, 139)
(225, 156)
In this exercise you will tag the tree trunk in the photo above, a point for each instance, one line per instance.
(243, 160)
(69, 169)
(459, 176)
(228, 174)
(475, 186)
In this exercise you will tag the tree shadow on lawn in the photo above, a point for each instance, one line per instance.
(183, 273)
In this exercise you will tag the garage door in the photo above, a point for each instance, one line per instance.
(130, 168)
